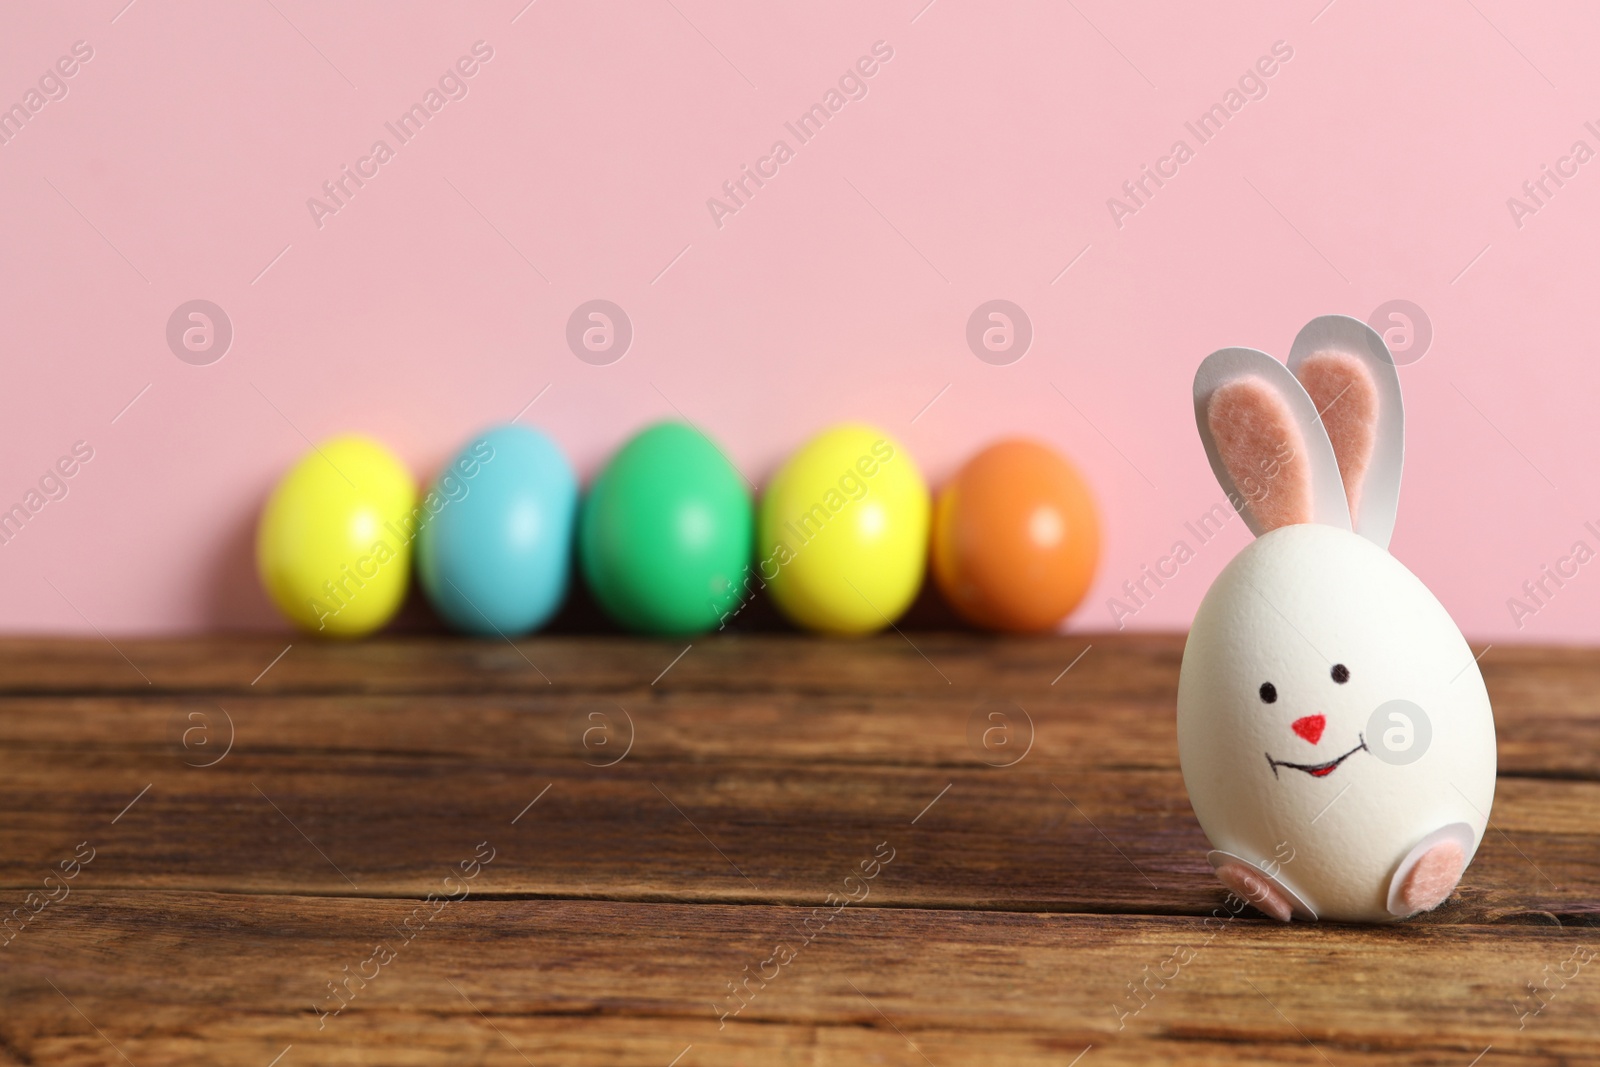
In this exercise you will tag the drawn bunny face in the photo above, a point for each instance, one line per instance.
(1328, 707)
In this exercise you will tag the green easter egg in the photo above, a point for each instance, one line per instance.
(665, 533)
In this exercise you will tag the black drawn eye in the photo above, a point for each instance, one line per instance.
(1269, 693)
(1341, 673)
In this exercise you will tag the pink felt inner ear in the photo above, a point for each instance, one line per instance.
(1347, 399)
(1259, 442)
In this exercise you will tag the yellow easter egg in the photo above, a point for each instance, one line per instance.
(333, 547)
(842, 534)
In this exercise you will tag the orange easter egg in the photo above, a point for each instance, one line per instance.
(1015, 538)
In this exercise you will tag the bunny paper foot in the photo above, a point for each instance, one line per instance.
(1434, 878)
(1430, 881)
(1431, 870)
(1250, 885)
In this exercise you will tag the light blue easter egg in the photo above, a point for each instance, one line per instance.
(495, 552)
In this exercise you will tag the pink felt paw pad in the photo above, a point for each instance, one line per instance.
(1433, 878)
(1250, 885)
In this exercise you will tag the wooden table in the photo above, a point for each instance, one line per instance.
(232, 863)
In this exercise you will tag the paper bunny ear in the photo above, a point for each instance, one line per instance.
(1266, 445)
(1350, 375)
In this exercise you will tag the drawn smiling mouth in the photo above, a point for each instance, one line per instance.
(1317, 770)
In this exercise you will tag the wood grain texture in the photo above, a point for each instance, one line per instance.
(254, 842)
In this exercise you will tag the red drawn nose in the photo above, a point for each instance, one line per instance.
(1309, 727)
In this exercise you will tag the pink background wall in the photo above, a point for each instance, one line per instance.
(978, 166)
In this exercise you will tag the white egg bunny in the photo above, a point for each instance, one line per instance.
(1335, 734)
